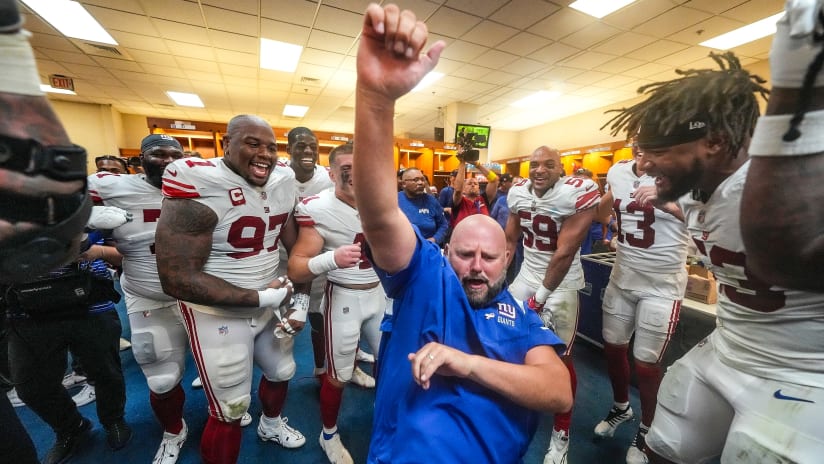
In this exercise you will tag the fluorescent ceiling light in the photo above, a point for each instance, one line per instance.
(279, 56)
(742, 35)
(295, 111)
(185, 99)
(599, 8)
(536, 99)
(427, 80)
(71, 19)
(48, 88)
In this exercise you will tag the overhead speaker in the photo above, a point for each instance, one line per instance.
(439, 134)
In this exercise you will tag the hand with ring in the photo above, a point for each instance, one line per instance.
(435, 358)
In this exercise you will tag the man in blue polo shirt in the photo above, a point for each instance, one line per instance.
(466, 369)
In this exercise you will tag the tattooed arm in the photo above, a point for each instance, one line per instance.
(183, 242)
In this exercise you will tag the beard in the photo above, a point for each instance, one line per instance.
(480, 298)
(681, 186)
(154, 173)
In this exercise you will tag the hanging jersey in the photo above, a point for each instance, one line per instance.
(541, 220)
(250, 218)
(338, 224)
(649, 240)
(763, 330)
(135, 239)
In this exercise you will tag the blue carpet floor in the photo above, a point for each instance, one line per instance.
(593, 400)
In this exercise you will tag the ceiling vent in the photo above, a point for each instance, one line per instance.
(103, 50)
(310, 81)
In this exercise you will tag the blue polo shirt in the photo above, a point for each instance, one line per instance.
(456, 420)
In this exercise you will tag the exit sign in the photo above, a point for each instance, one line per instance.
(59, 81)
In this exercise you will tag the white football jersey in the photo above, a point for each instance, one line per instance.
(250, 218)
(649, 239)
(338, 224)
(135, 239)
(319, 182)
(542, 218)
(763, 330)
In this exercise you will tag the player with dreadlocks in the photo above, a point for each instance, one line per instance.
(749, 392)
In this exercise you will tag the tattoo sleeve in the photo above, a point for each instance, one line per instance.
(183, 242)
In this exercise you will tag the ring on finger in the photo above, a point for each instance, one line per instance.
(430, 356)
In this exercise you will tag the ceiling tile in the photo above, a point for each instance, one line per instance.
(328, 41)
(512, 14)
(451, 23)
(238, 58)
(638, 13)
(623, 43)
(119, 65)
(243, 6)
(183, 11)
(561, 24)
(754, 10)
(489, 34)
(496, 59)
(299, 12)
(656, 50)
(705, 30)
(463, 51)
(589, 60)
(284, 32)
(339, 22)
(189, 50)
(139, 42)
(671, 21)
(182, 32)
(231, 21)
(523, 44)
(131, 6)
(554, 53)
(590, 35)
(236, 42)
(121, 21)
(620, 65)
(646, 71)
(525, 66)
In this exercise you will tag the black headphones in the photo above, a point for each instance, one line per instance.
(30, 254)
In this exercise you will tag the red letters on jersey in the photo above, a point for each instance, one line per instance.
(236, 196)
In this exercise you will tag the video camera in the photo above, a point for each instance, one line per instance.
(466, 141)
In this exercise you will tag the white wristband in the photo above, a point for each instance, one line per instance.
(300, 303)
(542, 294)
(323, 263)
(768, 139)
(18, 70)
(271, 297)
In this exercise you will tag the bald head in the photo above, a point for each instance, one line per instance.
(245, 120)
(478, 255)
(480, 224)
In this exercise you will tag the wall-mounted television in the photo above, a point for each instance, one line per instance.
(480, 134)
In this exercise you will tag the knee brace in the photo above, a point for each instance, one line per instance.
(744, 448)
(143, 347)
(285, 370)
(233, 409)
(162, 383)
(228, 366)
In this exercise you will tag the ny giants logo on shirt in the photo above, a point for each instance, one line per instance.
(506, 314)
(236, 196)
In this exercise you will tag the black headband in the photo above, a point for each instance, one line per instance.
(649, 136)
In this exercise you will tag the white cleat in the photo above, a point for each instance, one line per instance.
(85, 396)
(170, 446)
(197, 383)
(15, 400)
(246, 419)
(362, 379)
(558, 448)
(363, 356)
(606, 428)
(73, 378)
(280, 432)
(335, 450)
(636, 454)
